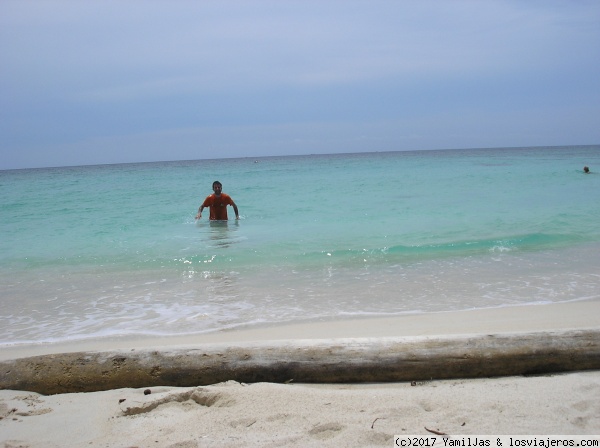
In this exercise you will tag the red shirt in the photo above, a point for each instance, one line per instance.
(218, 206)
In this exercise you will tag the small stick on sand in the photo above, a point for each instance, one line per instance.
(435, 432)
(378, 418)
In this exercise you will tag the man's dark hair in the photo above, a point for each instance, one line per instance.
(216, 182)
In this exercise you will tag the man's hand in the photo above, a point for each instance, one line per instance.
(199, 215)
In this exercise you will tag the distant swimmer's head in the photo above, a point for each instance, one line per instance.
(217, 187)
(586, 169)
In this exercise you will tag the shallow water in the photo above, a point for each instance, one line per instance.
(110, 250)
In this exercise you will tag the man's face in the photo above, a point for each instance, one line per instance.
(217, 189)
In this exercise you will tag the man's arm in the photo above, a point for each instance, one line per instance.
(235, 209)
(199, 215)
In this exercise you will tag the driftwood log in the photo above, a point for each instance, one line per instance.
(309, 361)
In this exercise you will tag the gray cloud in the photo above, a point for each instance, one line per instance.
(81, 72)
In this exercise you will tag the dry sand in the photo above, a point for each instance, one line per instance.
(266, 414)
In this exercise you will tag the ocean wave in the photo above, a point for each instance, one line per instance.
(441, 250)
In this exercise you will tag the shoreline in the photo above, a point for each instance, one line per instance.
(296, 414)
(576, 315)
(471, 344)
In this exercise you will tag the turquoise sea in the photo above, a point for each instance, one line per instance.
(110, 250)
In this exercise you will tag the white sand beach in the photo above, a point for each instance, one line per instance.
(267, 414)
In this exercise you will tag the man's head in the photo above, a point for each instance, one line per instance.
(217, 187)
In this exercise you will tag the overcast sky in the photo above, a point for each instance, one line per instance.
(89, 82)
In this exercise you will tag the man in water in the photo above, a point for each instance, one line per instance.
(586, 170)
(218, 203)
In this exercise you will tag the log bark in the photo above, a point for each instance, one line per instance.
(309, 361)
